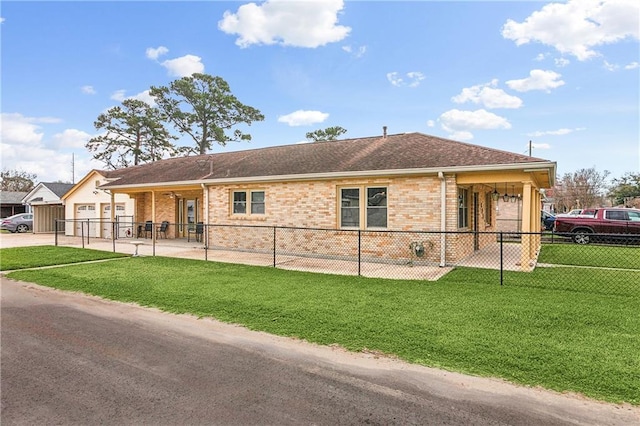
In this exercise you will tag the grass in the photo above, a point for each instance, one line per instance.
(34, 257)
(560, 340)
(591, 255)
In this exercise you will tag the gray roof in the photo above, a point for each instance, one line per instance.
(58, 188)
(12, 197)
(393, 152)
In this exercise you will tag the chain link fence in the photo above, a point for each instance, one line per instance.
(604, 264)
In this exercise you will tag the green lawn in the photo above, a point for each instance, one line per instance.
(523, 332)
(591, 255)
(33, 257)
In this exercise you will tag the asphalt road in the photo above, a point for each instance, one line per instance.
(72, 359)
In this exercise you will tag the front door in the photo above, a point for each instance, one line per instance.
(187, 215)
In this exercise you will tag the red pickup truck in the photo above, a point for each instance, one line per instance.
(606, 224)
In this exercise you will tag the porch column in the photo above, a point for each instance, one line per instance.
(526, 244)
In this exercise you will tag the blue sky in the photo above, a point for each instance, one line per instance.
(563, 75)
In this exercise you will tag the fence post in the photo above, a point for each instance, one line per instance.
(274, 246)
(114, 231)
(501, 258)
(55, 229)
(82, 233)
(359, 251)
(88, 230)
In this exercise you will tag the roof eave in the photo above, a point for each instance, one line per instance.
(547, 165)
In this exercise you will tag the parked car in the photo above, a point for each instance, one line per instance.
(574, 212)
(547, 220)
(608, 224)
(22, 222)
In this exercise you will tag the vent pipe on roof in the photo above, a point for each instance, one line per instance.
(384, 131)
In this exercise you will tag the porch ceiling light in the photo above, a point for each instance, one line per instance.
(495, 194)
(505, 197)
(514, 197)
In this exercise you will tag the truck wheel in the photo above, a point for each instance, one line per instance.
(581, 237)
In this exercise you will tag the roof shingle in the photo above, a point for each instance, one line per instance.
(393, 152)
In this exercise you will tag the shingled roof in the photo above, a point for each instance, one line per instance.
(382, 153)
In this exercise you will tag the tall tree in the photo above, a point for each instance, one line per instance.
(135, 134)
(16, 180)
(626, 190)
(328, 134)
(581, 189)
(203, 107)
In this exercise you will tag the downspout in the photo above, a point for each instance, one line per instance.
(443, 219)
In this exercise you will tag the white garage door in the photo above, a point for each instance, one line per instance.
(107, 225)
(85, 218)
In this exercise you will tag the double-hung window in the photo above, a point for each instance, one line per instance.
(463, 208)
(252, 202)
(366, 205)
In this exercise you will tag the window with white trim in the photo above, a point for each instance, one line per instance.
(248, 201)
(463, 208)
(355, 209)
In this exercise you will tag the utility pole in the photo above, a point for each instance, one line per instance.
(73, 168)
(529, 148)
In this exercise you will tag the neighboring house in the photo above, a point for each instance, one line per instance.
(11, 203)
(410, 182)
(46, 204)
(94, 210)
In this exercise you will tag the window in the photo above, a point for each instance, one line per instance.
(257, 202)
(376, 207)
(487, 208)
(615, 215)
(463, 208)
(240, 202)
(354, 210)
(254, 199)
(350, 207)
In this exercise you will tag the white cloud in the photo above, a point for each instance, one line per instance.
(289, 23)
(610, 67)
(357, 53)
(154, 54)
(303, 118)
(1, 20)
(632, 66)
(119, 95)
(71, 138)
(413, 79)
(577, 26)
(539, 57)
(489, 96)
(88, 90)
(24, 147)
(184, 66)
(562, 62)
(431, 123)
(17, 129)
(558, 132)
(459, 123)
(537, 80)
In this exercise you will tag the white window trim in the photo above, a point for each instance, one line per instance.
(247, 193)
(362, 206)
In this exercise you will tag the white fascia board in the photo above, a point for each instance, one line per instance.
(341, 175)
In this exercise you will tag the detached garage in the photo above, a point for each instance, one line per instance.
(45, 200)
